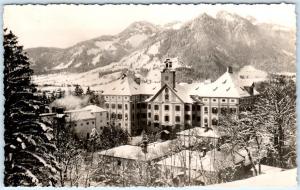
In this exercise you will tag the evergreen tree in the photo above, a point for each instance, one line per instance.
(28, 141)
(78, 90)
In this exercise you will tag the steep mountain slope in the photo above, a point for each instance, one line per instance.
(93, 53)
(201, 48)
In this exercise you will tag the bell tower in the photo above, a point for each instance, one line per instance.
(168, 74)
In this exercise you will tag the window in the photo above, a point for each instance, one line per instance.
(149, 106)
(198, 118)
(214, 121)
(138, 106)
(119, 106)
(223, 110)
(177, 118)
(167, 107)
(214, 110)
(126, 106)
(156, 124)
(144, 115)
(214, 100)
(205, 109)
(149, 115)
(100, 113)
(113, 106)
(205, 120)
(177, 108)
(87, 123)
(126, 116)
(138, 115)
(198, 108)
(223, 100)
(166, 90)
(205, 100)
(119, 116)
(193, 107)
(232, 110)
(156, 107)
(144, 106)
(149, 123)
(132, 106)
(113, 115)
(187, 108)
(187, 117)
(232, 100)
(166, 118)
(167, 97)
(166, 78)
(156, 117)
(107, 106)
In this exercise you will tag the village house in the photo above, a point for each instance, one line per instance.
(84, 120)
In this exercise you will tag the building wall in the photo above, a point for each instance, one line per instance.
(101, 120)
(130, 112)
(83, 128)
(213, 108)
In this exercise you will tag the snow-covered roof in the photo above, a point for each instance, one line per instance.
(277, 179)
(199, 132)
(128, 86)
(94, 108)
(213, 160)
(80, 115)
(180, 90)
(155, 150)
(227, 85)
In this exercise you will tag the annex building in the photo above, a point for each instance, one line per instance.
(173, 107)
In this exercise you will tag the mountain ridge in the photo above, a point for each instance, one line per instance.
(207, 45)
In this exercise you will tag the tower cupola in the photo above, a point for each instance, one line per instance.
(168, 74)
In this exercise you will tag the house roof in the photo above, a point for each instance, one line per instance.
(128, 86)
(94, 108)
(155, 150)
(227, 85)
(81, 115)
(212, 161)
(180, 90)
(199, 132)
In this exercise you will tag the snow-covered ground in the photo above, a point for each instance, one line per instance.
(276, 179)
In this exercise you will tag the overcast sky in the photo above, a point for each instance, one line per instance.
(65, 25)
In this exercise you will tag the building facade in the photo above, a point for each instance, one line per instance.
(167, 106)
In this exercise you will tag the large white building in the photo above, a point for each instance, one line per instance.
(157, 107)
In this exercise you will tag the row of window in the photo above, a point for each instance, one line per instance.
(177, 118)
(177, 107)
(87, 123)
(222, 100)
(223, 110)
(120, 106)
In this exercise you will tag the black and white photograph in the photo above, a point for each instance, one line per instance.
(157, 95)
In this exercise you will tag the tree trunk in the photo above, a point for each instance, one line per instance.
(251, 160)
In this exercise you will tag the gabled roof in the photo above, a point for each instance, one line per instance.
(228, 85)
(181, 91)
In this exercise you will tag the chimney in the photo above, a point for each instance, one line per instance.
(229, 69)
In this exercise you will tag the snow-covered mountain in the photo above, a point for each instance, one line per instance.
(200, 48)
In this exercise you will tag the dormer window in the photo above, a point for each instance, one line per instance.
(166, 78)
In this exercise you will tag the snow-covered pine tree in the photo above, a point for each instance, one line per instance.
(78, 90)
(28, 141)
